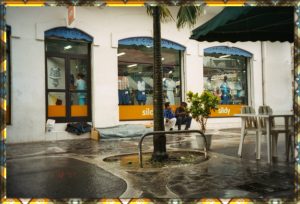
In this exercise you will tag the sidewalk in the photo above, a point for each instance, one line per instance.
(75, 168)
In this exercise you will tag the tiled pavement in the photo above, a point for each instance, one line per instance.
(75, 168)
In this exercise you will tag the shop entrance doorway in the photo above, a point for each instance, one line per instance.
(68, 80)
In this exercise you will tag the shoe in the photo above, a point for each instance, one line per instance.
(171, 129)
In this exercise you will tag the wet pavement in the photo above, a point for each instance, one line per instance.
(75, 168)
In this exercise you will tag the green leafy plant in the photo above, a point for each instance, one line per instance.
(201, 106)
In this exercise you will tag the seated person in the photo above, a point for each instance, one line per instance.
(169, 116)
(183, 116)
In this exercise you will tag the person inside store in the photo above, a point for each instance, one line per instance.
(225, 91)
(123, 85)
(141, 96)
(80, 85)
(170, 119)
(170, 85)
(182, 116)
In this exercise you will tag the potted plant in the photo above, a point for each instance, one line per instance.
(200, 107)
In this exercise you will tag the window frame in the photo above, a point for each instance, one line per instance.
(247, 82)
(180, 54)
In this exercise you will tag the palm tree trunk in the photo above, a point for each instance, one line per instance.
(159, 141)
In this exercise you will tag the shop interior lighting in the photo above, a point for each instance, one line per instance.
(170, 72)
(162, 59)
(224, 56)
(120, 54)
(67, 47)
(132, 65)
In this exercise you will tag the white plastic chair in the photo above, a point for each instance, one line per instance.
(250, 125)
(275, 130)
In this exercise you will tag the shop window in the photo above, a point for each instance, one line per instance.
(225, 75)
(135, 76)
(8, 76)
(68, 76)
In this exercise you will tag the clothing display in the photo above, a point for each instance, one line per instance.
(225, 90)
(123, 82)
(55, 75)
(141, 96)
(170, 85)
(81, 97)
(124, 94)
(124, 97)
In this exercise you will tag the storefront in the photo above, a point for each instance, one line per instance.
(68, 75)
(135, 76)
(99, 70)
(226, 73)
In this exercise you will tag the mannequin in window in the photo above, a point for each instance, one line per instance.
(123, 85)
(170, 85)
(80, 85)
(141, 96)
(225, 92)
(208, 85)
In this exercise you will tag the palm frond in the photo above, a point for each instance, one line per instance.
(165, 14)
(187, 15)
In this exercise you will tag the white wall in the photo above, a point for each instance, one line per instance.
(107, 26)
(278, 76)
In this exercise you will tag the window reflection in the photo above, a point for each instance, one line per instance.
(226, 77)
(135, 75)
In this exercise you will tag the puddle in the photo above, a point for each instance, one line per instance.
(175, 158)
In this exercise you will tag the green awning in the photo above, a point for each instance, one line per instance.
(248, 24)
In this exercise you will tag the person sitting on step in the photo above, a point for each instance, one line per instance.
(170, 119)
(183, 116)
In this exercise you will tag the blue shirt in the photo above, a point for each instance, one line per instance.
(168, 114)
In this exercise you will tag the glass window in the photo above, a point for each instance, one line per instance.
(67, 46)
(56, 73)
(226, 77)
(78, 86)
(135, 79)
(68, 82)
(56, 104)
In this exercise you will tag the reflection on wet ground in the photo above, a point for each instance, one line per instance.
(60, 177)
(224, 175)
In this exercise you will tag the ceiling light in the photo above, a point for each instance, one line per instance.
(120, 54)
(132, 65)
(67, 47)
(170, 72)
(162, 59)
(224, 56)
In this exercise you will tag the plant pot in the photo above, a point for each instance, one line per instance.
(200, 141)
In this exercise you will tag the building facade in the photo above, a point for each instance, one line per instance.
(98, 69)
